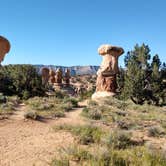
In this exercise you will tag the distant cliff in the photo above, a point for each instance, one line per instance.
(75, 70)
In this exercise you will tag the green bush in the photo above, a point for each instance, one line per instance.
(21, 80)
(31, 115)
(73, 101)
(66, 107)
(95, 114)
(7, 108)
(59, 114)
(120, 139)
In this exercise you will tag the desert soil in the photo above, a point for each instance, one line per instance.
(33, 143)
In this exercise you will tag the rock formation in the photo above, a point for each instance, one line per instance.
(4, 48)
(58, 76)
(67, 77)
(52, 76)
(45, 75)
(106, 75)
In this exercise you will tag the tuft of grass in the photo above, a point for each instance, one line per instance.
(60, 162)
(59, 114)
(92, 103)
(7, 108)
(51, 106)
(31, 115)
(102, 156)
(66, 107)
(120, 139)
(156, 131)
(78, 154)
(72, 101)
(114, 102)
(60, 94)
(85, 134)
(95, 114)
(122, 124)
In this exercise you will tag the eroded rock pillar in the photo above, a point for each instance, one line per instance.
(67, 77)
(106, 75)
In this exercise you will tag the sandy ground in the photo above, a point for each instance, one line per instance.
(33, 143)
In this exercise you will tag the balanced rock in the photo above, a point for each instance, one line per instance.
(106, 75)
(4, 48)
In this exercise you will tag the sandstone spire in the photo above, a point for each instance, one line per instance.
(106, 75)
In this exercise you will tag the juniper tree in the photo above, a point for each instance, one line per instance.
(137, 84)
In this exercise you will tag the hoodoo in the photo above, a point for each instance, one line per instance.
(106, 75)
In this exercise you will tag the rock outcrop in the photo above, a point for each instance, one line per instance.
(106, 75)
(58, 76)
(45, 75)
(67, 77)
(74, 70)
(4, 48)
(52, 76)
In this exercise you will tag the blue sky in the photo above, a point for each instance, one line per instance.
(68, 32)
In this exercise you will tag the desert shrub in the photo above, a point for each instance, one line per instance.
(86, 94)
(86, 134)
(14, 99)
(143, 108)
(48, 106)
(95, 114)
(156, 131)
(156, 149)
(60, 94)
(120, 139)
(92, 103)
(7, 108)
(31, 115)
(122, 124)
(103, 156)
(60, 162)
(3, 98)
(136, 156)
(73, 101)
(59, 114)
(78, 154)
(40, 104)
(114, 102)
(66, 107)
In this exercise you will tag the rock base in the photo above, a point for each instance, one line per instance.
(102, 94)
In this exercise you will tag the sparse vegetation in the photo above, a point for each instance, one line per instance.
(86, 134)
(125, 130)
(52, 106)
(120, 139)
(31, 115)
(110, 157)
(156, 131)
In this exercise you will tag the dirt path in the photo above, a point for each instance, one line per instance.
(27, 143)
